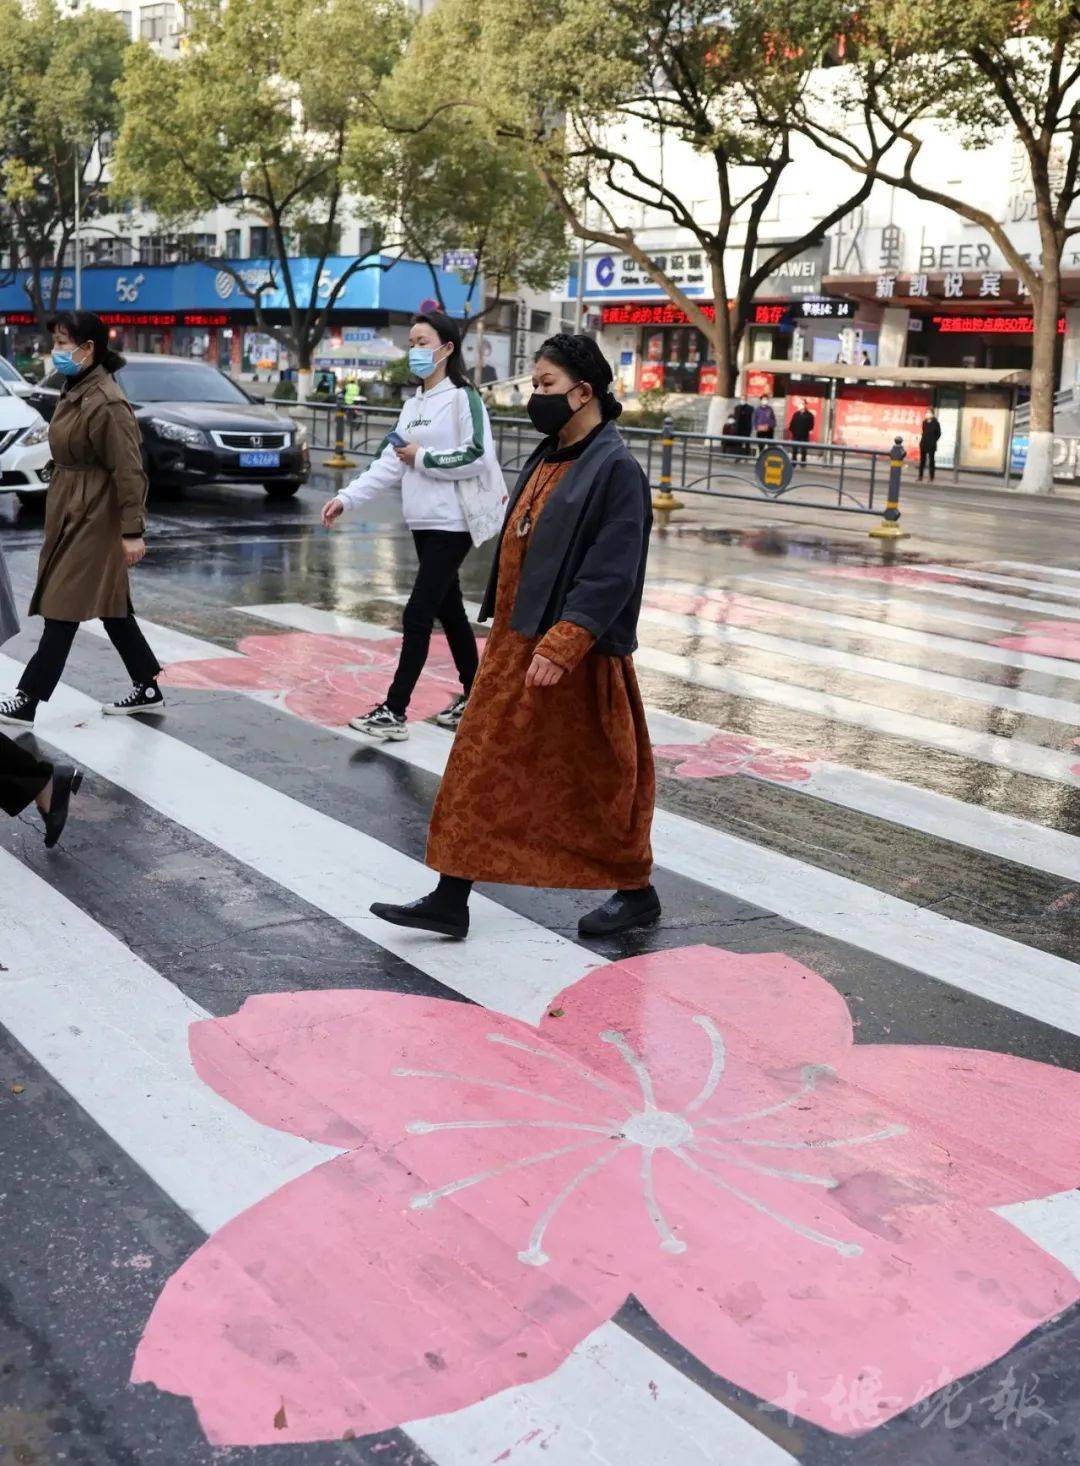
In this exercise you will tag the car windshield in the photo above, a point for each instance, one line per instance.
(8, 372)
(168, 381)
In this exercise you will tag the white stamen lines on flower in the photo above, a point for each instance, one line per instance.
(547, 1099)
(668, 1241)
(811, 1073)
(534, 1253)
(778, 1171)
(425, 1127)
(563, 1063)
(634, 1063)
(716, 1063)
(845, 1249)
(889, 1132)
(425, 1199)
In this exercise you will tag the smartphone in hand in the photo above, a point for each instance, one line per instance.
(395, 439)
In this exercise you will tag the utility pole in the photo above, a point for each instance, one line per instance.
(78, 229)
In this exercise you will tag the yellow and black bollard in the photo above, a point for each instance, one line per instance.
(337, 459)
(665, 502)
(889, 528)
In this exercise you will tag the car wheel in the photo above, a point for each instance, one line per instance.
(31, 500)
(284, 490)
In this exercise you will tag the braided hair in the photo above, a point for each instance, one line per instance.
(583, 359)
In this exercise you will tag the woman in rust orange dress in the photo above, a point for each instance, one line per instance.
(550, 781)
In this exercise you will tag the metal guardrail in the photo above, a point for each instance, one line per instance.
(850, 480)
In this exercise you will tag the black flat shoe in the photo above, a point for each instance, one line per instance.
(622, 913)
(65, 782)
(422, 916)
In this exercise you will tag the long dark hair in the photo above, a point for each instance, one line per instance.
(449, 333)
(84, 326)
(583, 359)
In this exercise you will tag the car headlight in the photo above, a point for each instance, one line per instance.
(36, 435)
(299, 434)
(176, 432)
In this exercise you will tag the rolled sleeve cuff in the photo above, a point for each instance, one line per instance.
(566, 644)
(134, 529)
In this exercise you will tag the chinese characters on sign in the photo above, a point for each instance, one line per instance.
(612, 273)
(954, 285)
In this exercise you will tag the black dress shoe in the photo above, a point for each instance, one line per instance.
(425, 916)
(621, 913)
(65, 783)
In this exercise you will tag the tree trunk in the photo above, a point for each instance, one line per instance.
(304, 352)
(722, 399)
(478, 369)
(1038, 475)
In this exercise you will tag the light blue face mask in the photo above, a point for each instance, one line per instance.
(65, 364)
(422, 361)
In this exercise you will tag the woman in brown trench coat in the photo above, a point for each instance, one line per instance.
(94, 522)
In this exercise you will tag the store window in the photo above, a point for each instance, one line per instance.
(156, 249)
(198, 246)
(259, 246)
(540, 322)
(672, 358)
(232, 244)
(111, 249)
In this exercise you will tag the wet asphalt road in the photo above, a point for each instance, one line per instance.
(868, 763)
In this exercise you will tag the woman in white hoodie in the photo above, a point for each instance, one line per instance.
(444, 444)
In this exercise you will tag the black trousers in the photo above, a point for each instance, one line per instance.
(926, 460)
(22, 776)
(799, 448)
(436, 596)
(46, 666)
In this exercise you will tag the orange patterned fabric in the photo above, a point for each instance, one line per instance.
(549, 786)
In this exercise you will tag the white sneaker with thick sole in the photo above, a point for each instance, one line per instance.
(450, 717)
(382, 724)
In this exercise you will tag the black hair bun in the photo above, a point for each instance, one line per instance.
(112, 361)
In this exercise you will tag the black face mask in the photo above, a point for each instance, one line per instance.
(549, 412)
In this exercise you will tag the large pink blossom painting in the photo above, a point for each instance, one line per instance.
(1047, 638)
(694, 1127)
(323, 679)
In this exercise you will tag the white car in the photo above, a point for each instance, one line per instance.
(24, 448)
(14, 380)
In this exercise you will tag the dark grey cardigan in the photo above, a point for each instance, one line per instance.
(9, 620)
(586, 557)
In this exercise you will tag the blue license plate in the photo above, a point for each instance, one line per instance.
(260, 460)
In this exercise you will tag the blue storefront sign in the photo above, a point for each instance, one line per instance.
(203, 286)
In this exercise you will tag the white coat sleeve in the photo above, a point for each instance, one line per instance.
(384, 472)
(465, 459)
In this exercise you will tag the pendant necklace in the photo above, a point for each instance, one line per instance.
(525, 523)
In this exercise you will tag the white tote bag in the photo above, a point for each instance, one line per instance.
(483, 500)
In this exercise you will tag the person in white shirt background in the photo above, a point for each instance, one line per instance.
(441, 457)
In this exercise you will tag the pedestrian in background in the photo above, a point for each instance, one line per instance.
(800, 428)
(441, 456)
(764, 420)
(550, 781)
(95, 517)
(744, 426)
(928, 441)
(25, 779)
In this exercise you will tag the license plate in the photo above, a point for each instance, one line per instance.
(260, 460)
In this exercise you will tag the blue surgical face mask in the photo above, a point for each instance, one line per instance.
(65, 363)
(422, 361)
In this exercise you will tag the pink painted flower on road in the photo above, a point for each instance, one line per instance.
(693, 1127)
(1047, 638)
(733, 753)
(895, 574)
(724, 608)
(324, 679)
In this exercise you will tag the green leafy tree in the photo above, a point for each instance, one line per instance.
(58, 76)
(606, 98)
(978, 72)
(452, 183)
(256, 113)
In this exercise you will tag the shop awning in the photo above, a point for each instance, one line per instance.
(898, 376)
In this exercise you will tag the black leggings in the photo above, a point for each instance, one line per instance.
(926, 460)
(22, 776)
(46, 666)
(436, 596)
